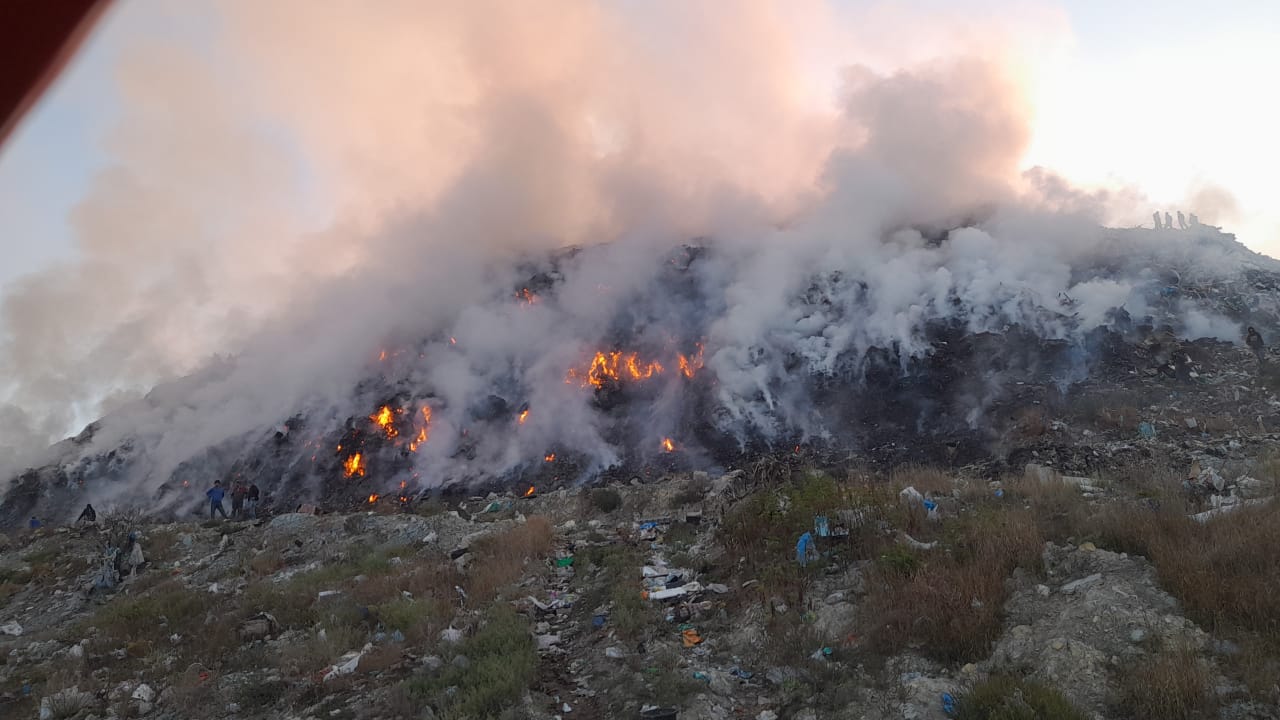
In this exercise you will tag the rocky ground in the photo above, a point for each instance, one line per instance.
(967, 598)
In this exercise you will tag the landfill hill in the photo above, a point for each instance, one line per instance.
(1098, 545)
(1168, 350)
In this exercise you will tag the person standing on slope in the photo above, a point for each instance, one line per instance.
(216, 493)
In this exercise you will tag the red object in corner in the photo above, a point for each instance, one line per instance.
(37, 37)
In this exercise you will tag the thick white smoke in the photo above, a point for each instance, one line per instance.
(446, 142)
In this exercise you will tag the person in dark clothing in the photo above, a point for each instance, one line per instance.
(238, 494)
(88, 515)
(251, 501)
(216, 493)
(1254, 340)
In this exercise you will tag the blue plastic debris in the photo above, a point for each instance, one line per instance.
(648, 525)
(1147, 430)
(999, 492)
(804, 548)
(597, 621)
(743, 674)
(930, 505)
(948, 704)
(820, 527)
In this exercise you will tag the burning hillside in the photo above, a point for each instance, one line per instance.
(594, 381)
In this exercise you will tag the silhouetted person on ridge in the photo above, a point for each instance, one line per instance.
(88, 515)
(1156, 216)
(1195, 221)
(1168, 221)
(1254, 340)
(1182, 221)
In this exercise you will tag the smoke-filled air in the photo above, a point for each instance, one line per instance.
(405, 245)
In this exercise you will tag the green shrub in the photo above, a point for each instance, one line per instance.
(606, 499)
(1002, 697)
(502, 664)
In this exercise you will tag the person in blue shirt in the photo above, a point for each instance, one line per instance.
(216, 494)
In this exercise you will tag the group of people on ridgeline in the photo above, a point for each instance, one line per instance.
(244, 500)
(1183, 221)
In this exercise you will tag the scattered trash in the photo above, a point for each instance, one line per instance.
(805, 549)
(821, 653)
(999, 492)
(397, 636)
(566, 708)
(451, 635)
(820, 526)
(564, 562)
(948, 704)
(1147, 430)
(258, 627)
(11, 628)
(909, 541)
(546, 642)
(699, 675)
(669, 593)
(690, 637)
(653, 712)
(347, 664)
(742, 674)
(598, 621)
(1077, 585)
(1205, 516)
(144, 693)
(717, 588)
(614, 653)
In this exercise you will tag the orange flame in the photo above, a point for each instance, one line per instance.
(524, 415)
(374, 498)
(352, 466)
(403, 484)
(424, 431)
(667, 445)
(551, 457)
(527, 295)
(382, 356)
(186, 483)
(383, 419)
(528, 492)
(453, 341)
(692, 363)
(613, 366)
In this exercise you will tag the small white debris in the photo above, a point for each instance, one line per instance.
(1077, 585)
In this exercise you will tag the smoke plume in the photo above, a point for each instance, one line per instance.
(311, 186)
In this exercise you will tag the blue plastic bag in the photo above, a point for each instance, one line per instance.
(804, 547)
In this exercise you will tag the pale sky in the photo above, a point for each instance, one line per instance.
(1164, 96)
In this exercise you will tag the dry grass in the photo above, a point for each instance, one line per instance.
(503, 559)
(1226, 572)
(1175, 685)
(928, 480)
(949, 602)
